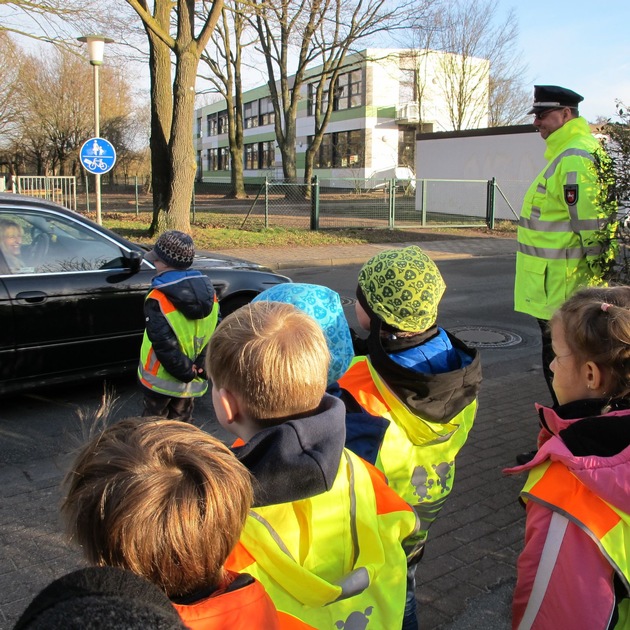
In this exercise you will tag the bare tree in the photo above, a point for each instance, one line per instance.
(174, 30)
(56, 21)
(9, 84)
(479, 73)
(55, 115)
(297, 34)
(224, 59)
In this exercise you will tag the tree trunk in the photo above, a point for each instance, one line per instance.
(181, 150)
(161, 117)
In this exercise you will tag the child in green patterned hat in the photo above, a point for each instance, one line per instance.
(419, 377)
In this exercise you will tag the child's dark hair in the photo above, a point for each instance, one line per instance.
(596, 321)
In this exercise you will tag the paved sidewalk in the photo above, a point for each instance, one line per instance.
(331, 255)
(467, 575)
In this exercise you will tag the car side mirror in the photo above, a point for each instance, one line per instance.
(133, 260)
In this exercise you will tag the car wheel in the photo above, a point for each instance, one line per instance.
(231, 304)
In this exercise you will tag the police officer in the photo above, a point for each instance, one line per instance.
(559, 243)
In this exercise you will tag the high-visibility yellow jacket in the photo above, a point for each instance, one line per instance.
(417, 454)
(192, 335)
(333, 560)
(558, 244)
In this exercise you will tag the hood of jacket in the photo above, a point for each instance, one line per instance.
(190, 292)
(436, 397)
(297, 459)
(592, 439)
(574, 129)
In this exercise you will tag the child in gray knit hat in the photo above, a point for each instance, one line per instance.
(181, 312)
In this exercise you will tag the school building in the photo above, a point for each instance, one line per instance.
(384, 97)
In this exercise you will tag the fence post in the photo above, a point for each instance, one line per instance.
(423, 220)
(392, 203)
(315, 203)
(266, 202)
(490, 205)
(194, 204)
(136, 191)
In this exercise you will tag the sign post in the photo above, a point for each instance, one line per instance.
(98, 157)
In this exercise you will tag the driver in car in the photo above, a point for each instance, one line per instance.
(11, 235)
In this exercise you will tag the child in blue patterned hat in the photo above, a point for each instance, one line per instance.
(364, 432)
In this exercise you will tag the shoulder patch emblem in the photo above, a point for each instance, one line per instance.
(571, 194)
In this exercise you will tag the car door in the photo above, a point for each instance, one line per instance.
(76, 307)
(7, 333)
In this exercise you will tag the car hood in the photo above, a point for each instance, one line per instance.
(213, 260)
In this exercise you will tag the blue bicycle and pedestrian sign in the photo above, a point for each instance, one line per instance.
(97, 156)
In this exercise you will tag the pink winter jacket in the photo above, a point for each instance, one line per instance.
(564, 581)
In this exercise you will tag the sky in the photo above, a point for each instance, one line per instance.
(578, 44)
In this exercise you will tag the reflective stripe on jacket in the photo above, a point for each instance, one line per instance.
(552, 485)
(417, 456)
(557, 232)
(335, 559)
(192, 335)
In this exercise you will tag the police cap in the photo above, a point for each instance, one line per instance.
(552, 97)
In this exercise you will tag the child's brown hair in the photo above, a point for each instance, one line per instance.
(161, 498)
(273, 356)
(596, 321)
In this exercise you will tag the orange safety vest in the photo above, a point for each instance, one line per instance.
(192, 335)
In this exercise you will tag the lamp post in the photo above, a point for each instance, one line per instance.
(96, 48)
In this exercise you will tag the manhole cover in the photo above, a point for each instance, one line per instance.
(484, 337)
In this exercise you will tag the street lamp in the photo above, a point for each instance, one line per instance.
(96, 48)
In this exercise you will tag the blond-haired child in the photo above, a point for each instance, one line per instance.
(325, 534)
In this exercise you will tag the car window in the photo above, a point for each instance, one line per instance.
(46, 243)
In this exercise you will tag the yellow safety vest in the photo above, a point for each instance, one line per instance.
(417, 456)
(557, 230)
(334, 560)
(553, 485)
(192, 335)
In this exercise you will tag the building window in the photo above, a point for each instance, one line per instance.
(347, 93)
(251, 156)
(349, 90)
(250, 114)
(211, 124)
(212, 159)
(267, 115)
(406, 147)
(198, 127)
(224, 159)
(199, 166)
(344, 149)
(222, 122)
(267, 154)
(407, 92)
(260, 155)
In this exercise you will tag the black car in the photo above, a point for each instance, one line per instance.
(72, 292)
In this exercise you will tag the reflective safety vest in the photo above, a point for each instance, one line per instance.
(192, 335)
(417, 456)
(554, 486)
(334, 560)
(557, 232)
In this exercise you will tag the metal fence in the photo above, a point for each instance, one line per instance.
(352, 203)
(60, 189)
(322, 204)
